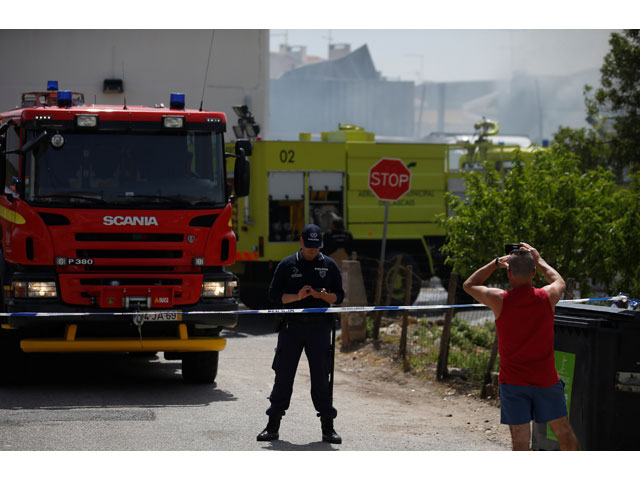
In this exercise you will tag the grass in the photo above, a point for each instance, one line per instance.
(469, 347)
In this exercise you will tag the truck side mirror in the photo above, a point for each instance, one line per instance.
(241, 174)
(34, 142)
(244, 145)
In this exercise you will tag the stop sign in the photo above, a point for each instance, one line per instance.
(389, 179)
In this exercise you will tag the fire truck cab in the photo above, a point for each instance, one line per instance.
(115, 230)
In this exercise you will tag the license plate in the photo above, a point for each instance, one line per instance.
(157, 317)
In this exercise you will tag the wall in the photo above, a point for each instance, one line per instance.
(152, 63)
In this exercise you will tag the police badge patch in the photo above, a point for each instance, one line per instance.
(322, 271)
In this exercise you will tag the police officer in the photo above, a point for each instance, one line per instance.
(306, 279)
(337, 237)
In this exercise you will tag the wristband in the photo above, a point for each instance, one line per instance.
(497, 258)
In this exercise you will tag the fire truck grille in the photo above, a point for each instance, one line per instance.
(129, 237)
(129, 253)
(131, 281)
(126, 268)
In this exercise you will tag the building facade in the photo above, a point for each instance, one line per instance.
(150, 64)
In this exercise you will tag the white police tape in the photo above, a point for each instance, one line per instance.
(619, 298)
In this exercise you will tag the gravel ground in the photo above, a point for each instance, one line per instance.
(427, 414)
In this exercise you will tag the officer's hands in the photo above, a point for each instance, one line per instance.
(305, 292)
(317, 293)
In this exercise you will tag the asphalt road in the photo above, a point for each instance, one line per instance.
(123, 403)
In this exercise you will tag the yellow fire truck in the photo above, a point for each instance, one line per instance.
(309, 181)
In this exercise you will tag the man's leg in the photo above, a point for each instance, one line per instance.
(318, 351)
(520, 436)
(551, 407)
(516, 411)
(566, 438)
(285, 364)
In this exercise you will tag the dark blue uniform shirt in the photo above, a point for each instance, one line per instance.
(294, 272)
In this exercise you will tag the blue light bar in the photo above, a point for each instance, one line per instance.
(177, 101)
(64, 98)
(52, 85)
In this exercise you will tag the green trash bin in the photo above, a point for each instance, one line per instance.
(597, 353)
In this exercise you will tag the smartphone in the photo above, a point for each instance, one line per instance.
(510, 247)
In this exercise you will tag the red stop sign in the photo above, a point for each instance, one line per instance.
(389, 179)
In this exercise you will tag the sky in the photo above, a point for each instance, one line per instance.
(449, 55)
(408, 39)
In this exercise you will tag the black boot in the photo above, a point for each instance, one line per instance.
(270, 432)
(328, 433)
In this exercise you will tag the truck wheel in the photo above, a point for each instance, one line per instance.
(199, 367)
(398, 288)
(12, 358)
(143, 354)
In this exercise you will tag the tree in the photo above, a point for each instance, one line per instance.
(613, 111)
(625, 230)
(548, 202)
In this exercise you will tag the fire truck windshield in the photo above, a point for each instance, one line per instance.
(128, 169)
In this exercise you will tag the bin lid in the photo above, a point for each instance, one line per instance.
(591, 316)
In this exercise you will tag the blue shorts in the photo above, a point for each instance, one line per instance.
(521, 404)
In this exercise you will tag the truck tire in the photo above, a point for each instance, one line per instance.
(398, 289)
(143, 354)
(199, 367)
(12, 358)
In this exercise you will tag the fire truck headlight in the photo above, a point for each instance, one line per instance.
(231, 288)
(214, 289)
(172, 122)
(88, 121)
(42, 290)
(34, 289)
(19, 289)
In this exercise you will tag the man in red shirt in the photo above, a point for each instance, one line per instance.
(530, 388)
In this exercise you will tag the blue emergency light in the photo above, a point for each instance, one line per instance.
(177, 101)
(64, 98)
(52, 85)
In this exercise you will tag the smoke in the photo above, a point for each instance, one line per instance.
(530, 81)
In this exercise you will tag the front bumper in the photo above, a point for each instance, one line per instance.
(33, 314)
(71, 344)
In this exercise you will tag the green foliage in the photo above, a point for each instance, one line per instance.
(613, 110)
(470, 347)
(587, 145)
(567, 214)
(625, 234)
(369, 326)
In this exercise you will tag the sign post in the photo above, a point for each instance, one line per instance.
(389, 180)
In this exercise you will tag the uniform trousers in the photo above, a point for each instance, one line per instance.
(313, 335)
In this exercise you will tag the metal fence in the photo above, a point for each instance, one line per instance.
(456, 341)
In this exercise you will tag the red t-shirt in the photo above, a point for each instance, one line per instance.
(525, 338)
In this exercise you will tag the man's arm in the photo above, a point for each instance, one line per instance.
(324, 295)
(491, 297)
(304, 292)
(556, 286)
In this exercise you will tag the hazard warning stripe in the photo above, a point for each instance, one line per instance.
(247, 256)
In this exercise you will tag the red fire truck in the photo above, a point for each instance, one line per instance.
(115, 225)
